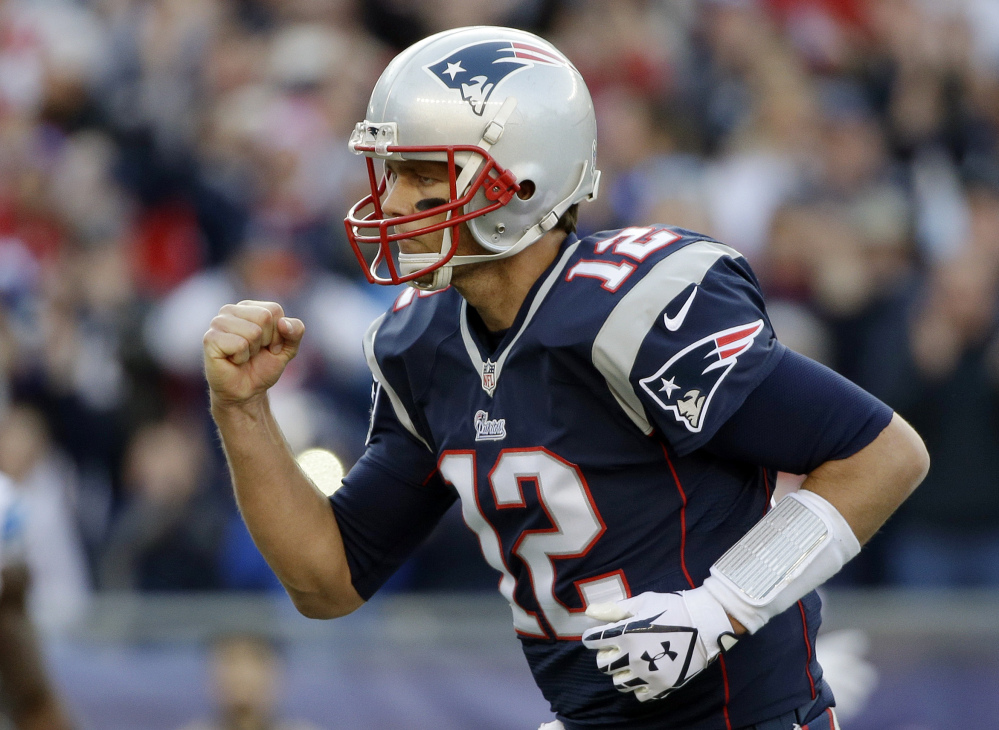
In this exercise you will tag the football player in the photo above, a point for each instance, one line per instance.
(611, 413)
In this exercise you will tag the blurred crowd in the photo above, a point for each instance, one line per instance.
(159, 158)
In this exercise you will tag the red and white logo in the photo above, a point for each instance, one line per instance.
(489, 376)
(688, 381)
(476, 70)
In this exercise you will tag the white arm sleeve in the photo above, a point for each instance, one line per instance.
(795, 548)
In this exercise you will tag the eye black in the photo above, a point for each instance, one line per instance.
(428, 203)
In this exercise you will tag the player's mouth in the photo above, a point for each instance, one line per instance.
(410, 245)
(414, 245)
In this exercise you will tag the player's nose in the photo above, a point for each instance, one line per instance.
(399, 199)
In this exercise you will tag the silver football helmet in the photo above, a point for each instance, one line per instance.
(500, 107)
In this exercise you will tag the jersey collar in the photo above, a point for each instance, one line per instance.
(482, 360)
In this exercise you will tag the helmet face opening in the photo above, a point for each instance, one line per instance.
(375, 229)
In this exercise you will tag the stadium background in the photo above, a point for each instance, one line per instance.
(159, 158)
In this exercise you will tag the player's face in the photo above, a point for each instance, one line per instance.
(414, 186)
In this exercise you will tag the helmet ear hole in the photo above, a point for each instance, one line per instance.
(527, 189)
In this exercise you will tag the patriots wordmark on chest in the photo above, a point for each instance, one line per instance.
(489, 429)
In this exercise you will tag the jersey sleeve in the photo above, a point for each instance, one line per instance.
(393, 389)
(390, 500)
(686, 345)
(802, 415)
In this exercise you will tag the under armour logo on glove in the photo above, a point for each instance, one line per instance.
(653, 659)
(657, 643)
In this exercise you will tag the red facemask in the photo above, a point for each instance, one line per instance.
(498, 185)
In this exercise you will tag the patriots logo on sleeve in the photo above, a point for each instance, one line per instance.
(478, 69)
(687, 382)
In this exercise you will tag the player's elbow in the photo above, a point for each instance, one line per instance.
(324, 606)
(911, 459)
(326, 597)
(310, 607)
(319, 609)
(920, 463)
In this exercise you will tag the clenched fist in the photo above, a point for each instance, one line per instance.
(247, 348)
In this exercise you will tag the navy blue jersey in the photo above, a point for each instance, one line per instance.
(575, 447)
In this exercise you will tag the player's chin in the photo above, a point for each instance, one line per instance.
(422, 282)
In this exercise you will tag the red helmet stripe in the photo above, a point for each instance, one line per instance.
(534, 53)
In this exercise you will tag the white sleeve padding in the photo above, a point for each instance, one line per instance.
(795, 548)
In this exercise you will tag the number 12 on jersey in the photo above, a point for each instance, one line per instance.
(576, 526)
(635, 243)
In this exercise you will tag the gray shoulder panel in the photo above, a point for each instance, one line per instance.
(400, 410)
(617, 343)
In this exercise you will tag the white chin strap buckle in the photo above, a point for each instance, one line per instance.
(441, 279)
(413, 262)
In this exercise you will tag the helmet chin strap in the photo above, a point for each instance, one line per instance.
(413, 262)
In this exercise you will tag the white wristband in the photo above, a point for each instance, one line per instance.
(795, 548)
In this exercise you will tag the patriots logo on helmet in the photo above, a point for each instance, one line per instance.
(476, 70)
(686, 384)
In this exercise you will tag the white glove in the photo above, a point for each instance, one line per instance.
(658, 641)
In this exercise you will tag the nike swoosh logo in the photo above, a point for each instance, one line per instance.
(674, 323)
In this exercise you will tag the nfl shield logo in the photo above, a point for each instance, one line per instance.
(489, 376)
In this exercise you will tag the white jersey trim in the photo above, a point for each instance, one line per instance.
(400, 410)
(617, 343)
(466, 334)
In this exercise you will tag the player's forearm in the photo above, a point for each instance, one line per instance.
(867, 487)
(841, 505)
(291, 521)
